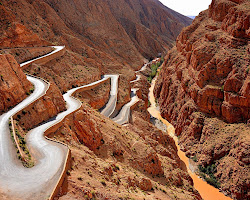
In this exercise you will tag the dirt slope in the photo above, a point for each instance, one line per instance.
(114, 162)
(102, 30)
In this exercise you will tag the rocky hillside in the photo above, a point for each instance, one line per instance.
(125, 31)
(204, 91)
(108, 160)
(101, 36)
(14, 86)
(114, 162)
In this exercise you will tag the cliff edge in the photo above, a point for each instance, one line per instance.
(204, 89)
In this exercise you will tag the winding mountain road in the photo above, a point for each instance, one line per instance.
(124, 114)
(39, 181)
(109, 108)
(138, 77)
(14, 178)
(143, 68)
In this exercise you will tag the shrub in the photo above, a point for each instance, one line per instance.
(149, 79)
(24, 112)
(222, 88)
(32, 90)
(162, 60)
(103, 183)
(149, 103)
(194, 158)
(207, 173)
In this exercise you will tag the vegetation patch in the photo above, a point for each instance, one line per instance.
(30, 91)
(207, 173)
(194, 158)
(26, 160)
(154, 68)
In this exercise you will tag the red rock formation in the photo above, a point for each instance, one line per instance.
(24, 54)
(151, 155)
(143, 183)
(42, 109)
(15, 34)
(207, 75)
(96, 97)
(14, 85)
(106, 31)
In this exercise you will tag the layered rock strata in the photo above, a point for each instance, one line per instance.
(203, 90)
(42, 109)
(14, 86)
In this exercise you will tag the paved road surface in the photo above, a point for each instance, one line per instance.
(138, 77)
(143, 68)
(57, 48)
(124, 114)
(111, 105)
(36, 182)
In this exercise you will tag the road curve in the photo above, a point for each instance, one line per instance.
(57, 49)
(13, 176)
(109, 108)
(138, 77)
(39, 181)
(124, 114)
(143, 68)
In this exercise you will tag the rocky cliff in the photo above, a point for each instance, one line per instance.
(14, 33)
(42, 109)
(138, 161)
(14, 86)
(101, 36)
(203, 89)
(114, 34)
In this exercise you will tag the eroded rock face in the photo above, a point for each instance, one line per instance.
(14, 86)
(25, 54)
(142, 183)
(116, 35)
(205, 76)
(15, 34)
(149, 153)
(41, 110)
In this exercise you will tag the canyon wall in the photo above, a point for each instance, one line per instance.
(14, 86)
(204, 89)
(114, 34)
(101, 37)
(109, 157)
(42, 109)
(14, 33)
